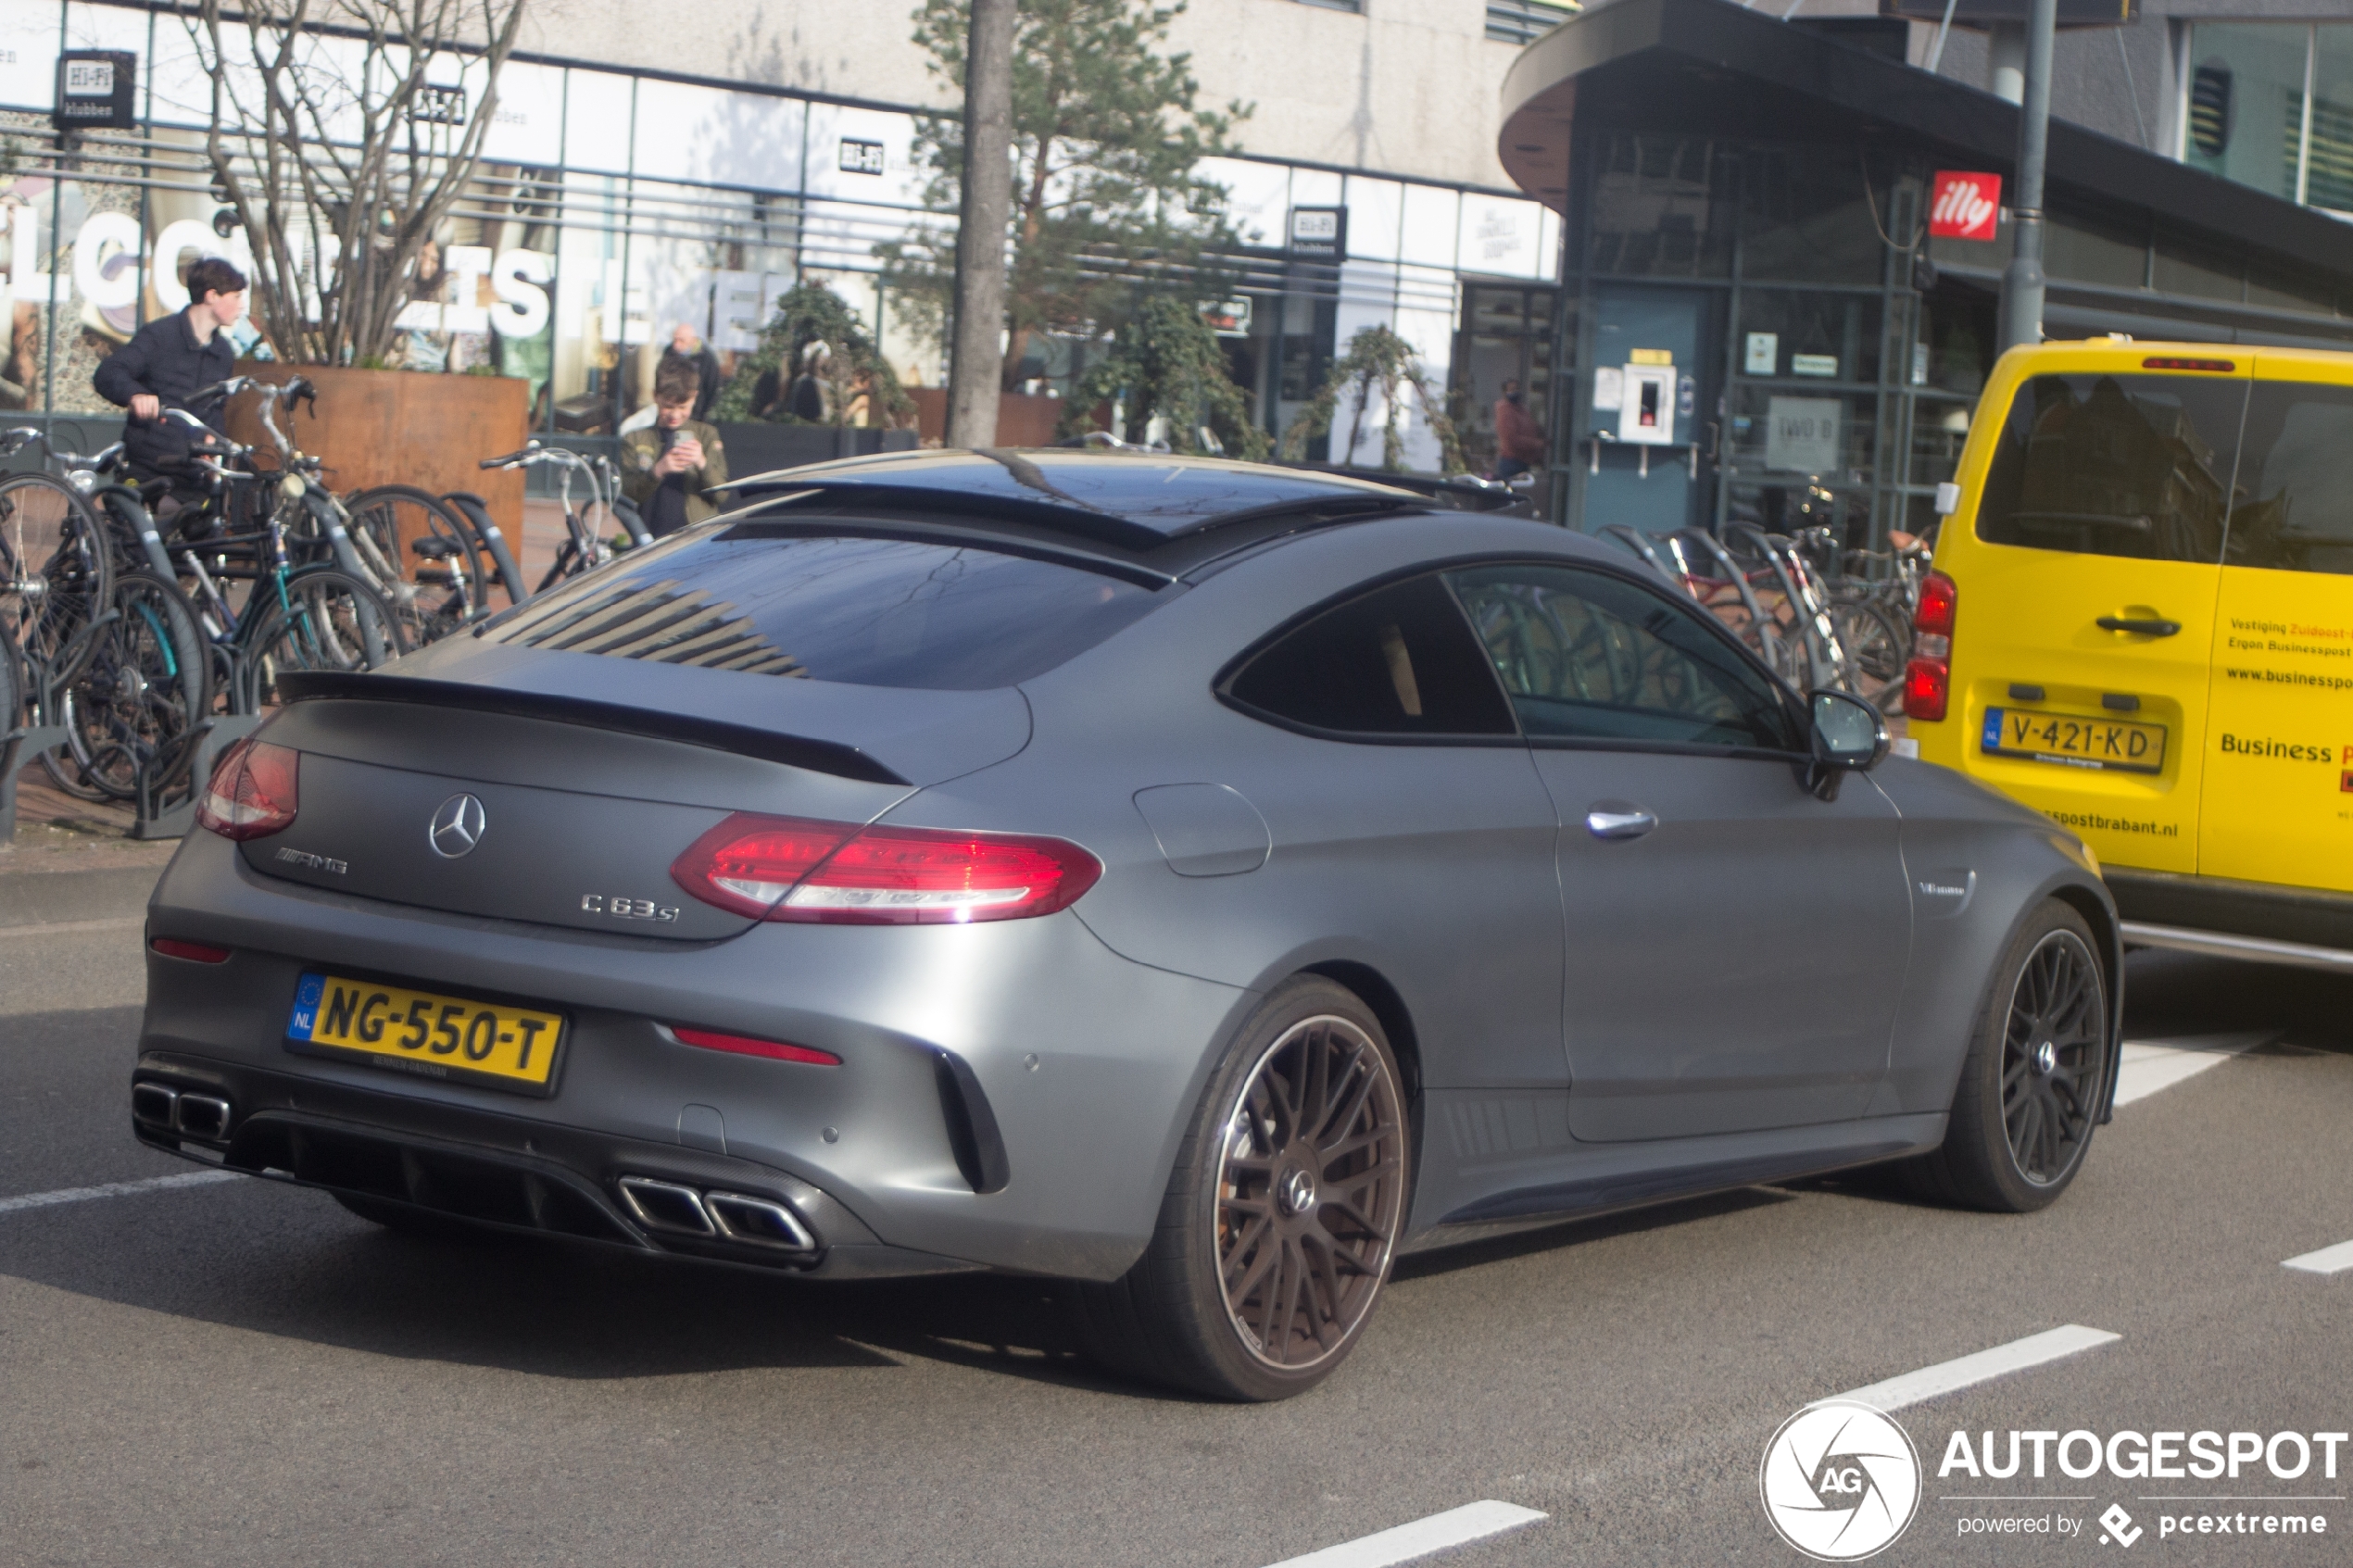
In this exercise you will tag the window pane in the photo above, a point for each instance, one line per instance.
(1805, 217)
(1817, 336)
(2295, 511)
(1591, 656)
(870, 612)
(2115, 466)
(1662, 209)
(2247, 103)
(1398, 662)
(2330, 184)
(2093, 252)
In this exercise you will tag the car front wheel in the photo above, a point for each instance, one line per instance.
(1282, 1213)
(2036, 1072)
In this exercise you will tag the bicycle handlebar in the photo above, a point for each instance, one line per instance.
(530, 453)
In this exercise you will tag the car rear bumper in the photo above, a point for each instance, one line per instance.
(1085, 1064)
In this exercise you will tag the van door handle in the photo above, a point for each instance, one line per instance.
(2146, 628)
(1627, 824)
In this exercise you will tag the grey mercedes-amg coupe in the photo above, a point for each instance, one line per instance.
(1198, 881)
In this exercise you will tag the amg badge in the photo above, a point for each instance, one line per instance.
(627, 908)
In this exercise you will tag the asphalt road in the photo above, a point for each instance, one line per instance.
(239, 1373)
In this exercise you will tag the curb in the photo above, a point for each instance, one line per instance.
(43, 898)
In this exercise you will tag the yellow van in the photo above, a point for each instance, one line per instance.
(2141, 624)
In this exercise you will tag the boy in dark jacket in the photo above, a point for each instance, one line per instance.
(166, 364)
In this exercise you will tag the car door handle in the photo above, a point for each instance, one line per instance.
(2146, 628)
(1620, 824)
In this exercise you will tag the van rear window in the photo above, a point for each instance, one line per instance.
(2112, 465)
(865, 611)
(2295, 510)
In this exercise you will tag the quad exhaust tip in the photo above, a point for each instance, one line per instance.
(166, 1109)
(674, 1209)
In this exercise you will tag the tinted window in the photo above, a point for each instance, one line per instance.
(2116, 465)
(2295, 510)
(1589, 656)
(871, 612)
(1397, 662)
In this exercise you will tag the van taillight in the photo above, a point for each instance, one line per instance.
(840, 874)
(1928, 680)
(253, 791)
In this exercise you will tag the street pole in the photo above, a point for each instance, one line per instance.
(976, 368)
(2022, 281)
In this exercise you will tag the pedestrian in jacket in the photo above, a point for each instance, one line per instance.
(672, 468)
(1519, 440)
(687, 347)
(165, 364)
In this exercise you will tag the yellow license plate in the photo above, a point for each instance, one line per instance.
(425, 1033)
(2073, 741)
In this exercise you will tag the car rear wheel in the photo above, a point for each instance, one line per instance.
(1282, 1213)
(2036, 1073)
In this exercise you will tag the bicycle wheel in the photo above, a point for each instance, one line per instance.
(320, 618)
(1876, 648)
(56, 570)
(434, 552)
(146, 683)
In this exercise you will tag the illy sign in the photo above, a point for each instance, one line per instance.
(1964, 207)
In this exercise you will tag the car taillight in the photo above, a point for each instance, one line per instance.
(1928, 680)
(839, 873)
(1933, 623)
(744, 1044)
(193, 952)
(1928, 689)
(253, 791)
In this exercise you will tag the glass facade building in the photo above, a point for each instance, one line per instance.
(1747, 245)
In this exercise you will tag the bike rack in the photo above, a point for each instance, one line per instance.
(200, 748)
(20, 747)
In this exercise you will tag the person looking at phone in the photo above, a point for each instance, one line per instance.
(166, 363)
(672, 467)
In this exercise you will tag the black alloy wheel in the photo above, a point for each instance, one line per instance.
(2035, 1077)
(1282, 1215)
(2052, 1054)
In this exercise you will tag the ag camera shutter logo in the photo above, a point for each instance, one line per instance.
(1841, 1481)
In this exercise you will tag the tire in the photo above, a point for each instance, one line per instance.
(326, 620)
(422, 1224)
(147, 682)
(56, 568)
(1877, 652)
(434, 597)
(2036, 1072)
(1241, 1183)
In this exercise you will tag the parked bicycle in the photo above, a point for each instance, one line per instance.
(585, 548)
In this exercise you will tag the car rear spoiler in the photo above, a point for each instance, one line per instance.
(715, 735)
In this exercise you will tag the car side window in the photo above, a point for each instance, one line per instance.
(1587, 656)
(1396, 661)
(2294, 511)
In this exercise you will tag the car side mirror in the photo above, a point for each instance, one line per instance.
(1849, 736)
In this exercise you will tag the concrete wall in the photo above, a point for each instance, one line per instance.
(1409, 87)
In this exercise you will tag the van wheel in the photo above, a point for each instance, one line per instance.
(2036, 1071)
(1282, 1213)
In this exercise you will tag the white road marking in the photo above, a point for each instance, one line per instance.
(2327, 1260)
(115, 1189)
(1439, 1532)
(69, 927)
(1946, 1376)
(2151, 1065)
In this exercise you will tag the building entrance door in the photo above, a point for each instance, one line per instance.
(1644, 437)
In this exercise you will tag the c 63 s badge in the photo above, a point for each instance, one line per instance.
(620, 908)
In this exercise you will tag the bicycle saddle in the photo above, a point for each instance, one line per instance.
(433, 546)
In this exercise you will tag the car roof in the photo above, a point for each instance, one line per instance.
(1156, 514)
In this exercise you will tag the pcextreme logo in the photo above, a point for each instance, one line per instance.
(1841, 1481)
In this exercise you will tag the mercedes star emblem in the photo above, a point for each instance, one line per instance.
(458, 826)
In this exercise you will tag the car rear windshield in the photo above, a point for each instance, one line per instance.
(860, 610)
(2110, 465)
